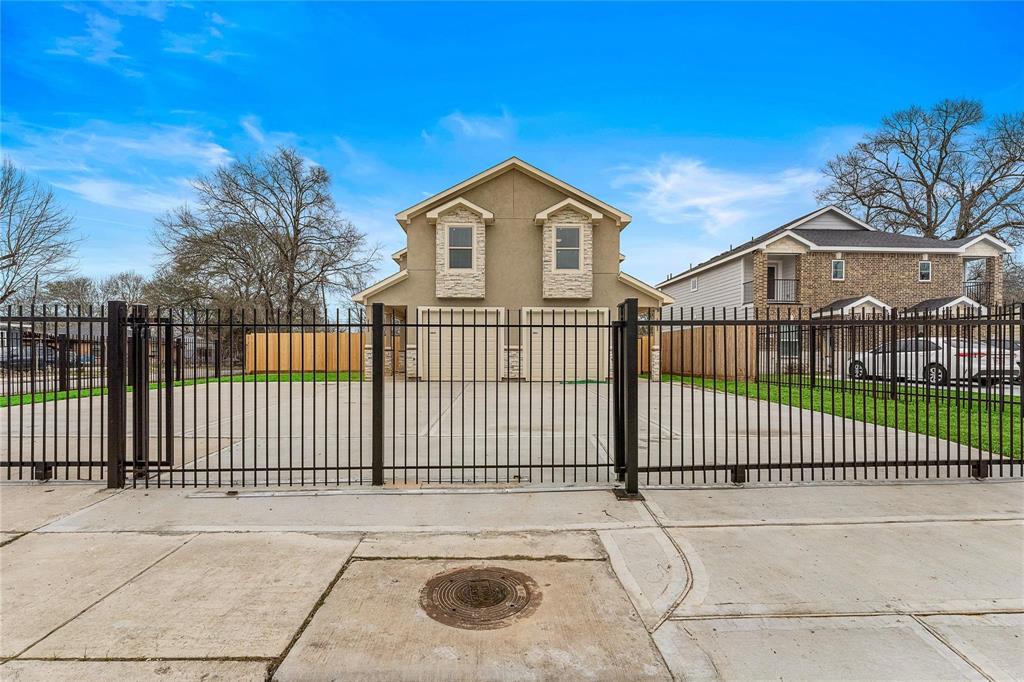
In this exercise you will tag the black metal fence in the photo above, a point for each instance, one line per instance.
(185, 397)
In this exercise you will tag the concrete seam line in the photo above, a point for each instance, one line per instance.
(72, 513)
(145, 659)
(105, 596)
(278, 660)
(842, 522)
(686, 564)
(949, 646)
(840, 614)
(17, 536)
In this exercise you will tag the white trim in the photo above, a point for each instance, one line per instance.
(555, 247)
(995, 240)
(919, 264)
(433, 215)
(388, 281)
(621, 219)
(832, 270)
(448, 249)
(632, 281)
(792, 235)
(397, 255)
(833, 209)
(850, 306)
(571, 203)
(961, 300)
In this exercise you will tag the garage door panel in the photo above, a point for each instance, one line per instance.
(460, 344)
(566, 344)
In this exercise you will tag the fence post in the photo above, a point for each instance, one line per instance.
(813, 342)
(140, 390)
(62, 362)
(377, 342)
(617, 402)
(117, 314)
(893, 364)
(631, 389)
(168, 367)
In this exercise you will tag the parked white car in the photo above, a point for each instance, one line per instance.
(937, 361)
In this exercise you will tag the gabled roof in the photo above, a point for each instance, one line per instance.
(388, 281)
(844, 305)
(567, 202)
(865, 239)
(403, 217)
(938, 305)
(434, 213)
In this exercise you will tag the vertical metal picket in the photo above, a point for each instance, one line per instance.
(630, 381)
(117, 393)
(377, 444)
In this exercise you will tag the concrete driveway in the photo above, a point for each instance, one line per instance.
(259, 433)
(837, 581)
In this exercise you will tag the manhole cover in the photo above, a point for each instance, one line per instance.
(479, 598)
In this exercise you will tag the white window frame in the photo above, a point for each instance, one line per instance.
(693, 284)
(832, 270)
(920, 271)
(578, 248)
(471, 248)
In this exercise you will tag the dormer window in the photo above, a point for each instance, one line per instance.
(567, 248)
(460, 248)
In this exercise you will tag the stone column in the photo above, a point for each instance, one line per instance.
(655, 363)
(995, 270)
(367, 362)
(760, 280)
(411, 370)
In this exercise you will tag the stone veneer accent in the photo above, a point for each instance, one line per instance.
(412, 370)
(368, 362)
(459, 283)
(568, 283)
(513, 363)
(655, 372)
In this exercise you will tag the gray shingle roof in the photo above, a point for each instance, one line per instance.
(932, 304)
(864, 238)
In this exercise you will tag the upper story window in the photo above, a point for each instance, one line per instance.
(567, 248)
(924, 271)
(460, 248)
(838, 270)
(693, 284)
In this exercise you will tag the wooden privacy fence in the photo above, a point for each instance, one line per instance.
(719, 351)
(304, 352)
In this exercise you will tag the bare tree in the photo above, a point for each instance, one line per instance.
(128, 286)
(940, 172)
(265, 231)
(72, 292)
(37, 241)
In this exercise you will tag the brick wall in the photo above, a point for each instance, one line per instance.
(890, 277)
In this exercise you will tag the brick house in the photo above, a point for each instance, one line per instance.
(510, 274)
(828, 260)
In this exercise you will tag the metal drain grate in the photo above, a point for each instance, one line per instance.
(480, 598)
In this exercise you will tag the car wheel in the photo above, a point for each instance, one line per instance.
(936, 375)
(858, 370)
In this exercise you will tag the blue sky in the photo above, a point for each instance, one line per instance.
(708, 122)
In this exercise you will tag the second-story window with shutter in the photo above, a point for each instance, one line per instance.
(460, 248)
(567, 248)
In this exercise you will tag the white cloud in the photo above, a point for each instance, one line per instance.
(106, 192)
(251, 126)
(266, 139)
(118, 165)
(357, 162)
(478, 127)
(207, 42)
(686, 191)
(98, 45)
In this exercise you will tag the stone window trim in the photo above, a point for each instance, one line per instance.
(924, 274)
(841, 262)
(578, 248)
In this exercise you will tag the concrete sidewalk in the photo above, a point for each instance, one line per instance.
(857, 581)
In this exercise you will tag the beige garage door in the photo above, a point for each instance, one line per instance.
(461, 344)
(566, 344)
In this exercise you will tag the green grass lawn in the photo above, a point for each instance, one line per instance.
(967, 417)
(298, 377)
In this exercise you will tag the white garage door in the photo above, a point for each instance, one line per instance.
(461, 344)
(566, 344)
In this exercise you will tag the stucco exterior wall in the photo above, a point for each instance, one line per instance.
(513, 268)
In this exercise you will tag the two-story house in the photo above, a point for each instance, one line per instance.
(831, 263)
(512, 273)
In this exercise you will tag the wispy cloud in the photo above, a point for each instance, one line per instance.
(208, 41)
(687, 191)
(99, 44)
(357, 162)
(266, 139)
(122, 166)
(479, 127)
